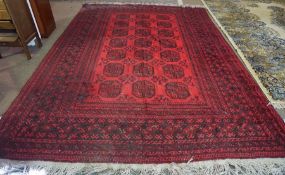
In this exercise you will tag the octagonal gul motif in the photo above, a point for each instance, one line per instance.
(120, 32)
(143, 23)
(168, 43)
(170, 55)
(143, 70)
(123, 16)
(118, 42)
(163, 17)
(116, 54)
(143, 89)
(113, 69)
(143, 42)
(143, 32)
(173, 71)
(110, 89)
(164, 24)
(122, 23)
(165, 33)
(142, 16)
(177, 90)
(144, 55)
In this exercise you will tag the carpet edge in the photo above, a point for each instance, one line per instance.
(139, 3)
(264, 166)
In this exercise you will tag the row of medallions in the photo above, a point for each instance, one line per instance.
(171, 71)
(121, 32)
(143, 55)
(142, 16)
(143, 89)
(144, 24)
(143, 42)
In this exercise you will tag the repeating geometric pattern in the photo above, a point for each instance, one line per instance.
(144, 47)
(141, 84)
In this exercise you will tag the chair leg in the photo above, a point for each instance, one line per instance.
(38, 41)
(27, 51)
(0, 55)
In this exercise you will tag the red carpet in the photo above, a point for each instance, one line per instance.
(141, 84)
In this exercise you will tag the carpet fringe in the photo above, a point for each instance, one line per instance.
(143, 3)
(277, 104)
(264, 166)
(139, 3)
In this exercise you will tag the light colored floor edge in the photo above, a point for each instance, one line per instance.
(221, 166)
(278, 104)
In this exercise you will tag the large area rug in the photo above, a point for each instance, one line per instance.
(141, 84)
(257, 27)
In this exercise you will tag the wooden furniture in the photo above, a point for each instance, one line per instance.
(17, 27)
(44, 17)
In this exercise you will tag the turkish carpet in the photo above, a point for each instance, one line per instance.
(141, 84)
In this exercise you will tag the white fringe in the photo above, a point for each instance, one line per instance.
(180, 4)
(139, 3)
(264, 166)
(277, 104)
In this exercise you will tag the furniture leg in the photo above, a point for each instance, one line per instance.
(27, 51)
(38, 41)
